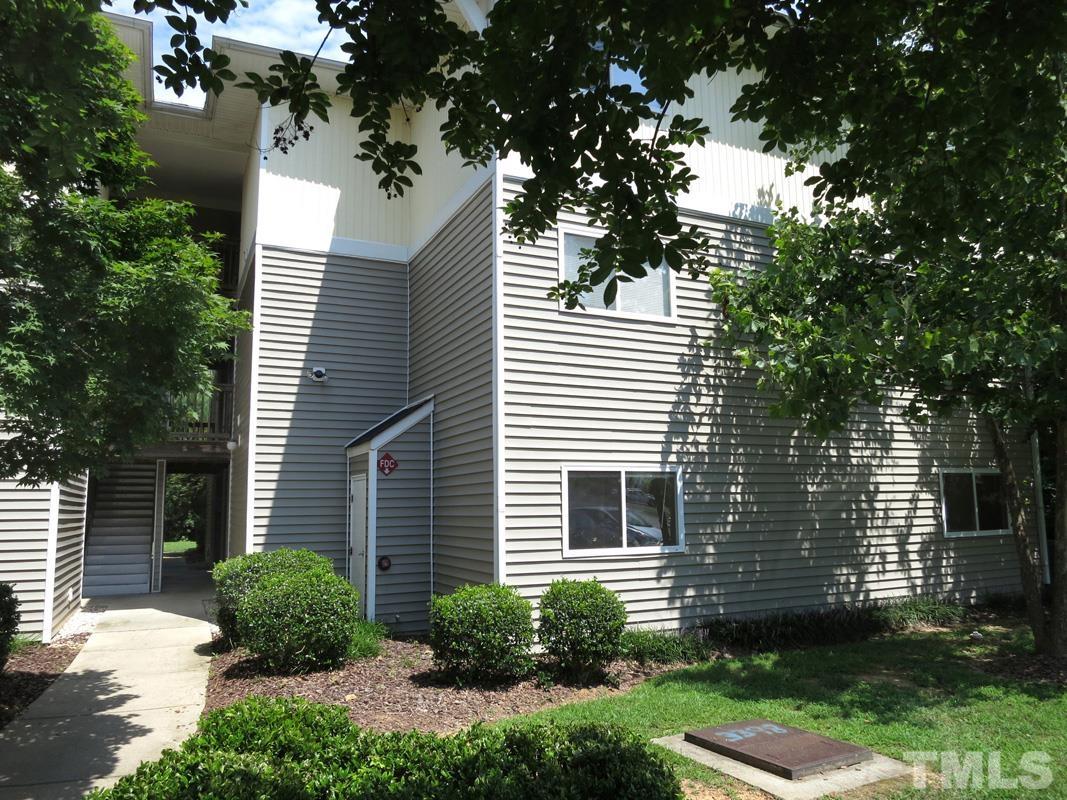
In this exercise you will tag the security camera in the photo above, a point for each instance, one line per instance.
(318, 374)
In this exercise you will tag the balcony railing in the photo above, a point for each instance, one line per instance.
(229, 253)
(210, 417)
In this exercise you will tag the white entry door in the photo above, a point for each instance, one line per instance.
(357, 543)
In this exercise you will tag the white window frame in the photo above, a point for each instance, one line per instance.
(974, 493)
(623, 551)
(564, 228)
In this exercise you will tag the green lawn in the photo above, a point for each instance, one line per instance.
(179, 546)
(912, 692)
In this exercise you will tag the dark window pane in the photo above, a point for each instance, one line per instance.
(959, 501)
(651, 510)
(594, 514)
(992, 515)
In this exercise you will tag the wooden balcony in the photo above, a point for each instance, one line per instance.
(210, 418)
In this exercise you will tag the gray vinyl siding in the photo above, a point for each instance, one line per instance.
(403, 533)
(773, 518)
(451, 359)
(242, 407)
(70, 542)
(24, 548)
(350, 316)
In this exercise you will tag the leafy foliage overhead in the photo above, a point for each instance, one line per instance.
(108, 310)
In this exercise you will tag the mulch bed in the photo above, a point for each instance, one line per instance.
(399, 690)
(32, 670)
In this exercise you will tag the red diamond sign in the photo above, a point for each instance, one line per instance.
(387, 465)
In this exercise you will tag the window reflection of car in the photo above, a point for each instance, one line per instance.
(595, 527)
(635, 495)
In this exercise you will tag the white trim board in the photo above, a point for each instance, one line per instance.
(401, 426)
(500, 567)
(48, 608)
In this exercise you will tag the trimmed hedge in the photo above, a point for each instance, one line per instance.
(300, 621)
(9, 621)
(291, 749)
(834, 625)
(235, 577)
(581, 625)
(482, 633)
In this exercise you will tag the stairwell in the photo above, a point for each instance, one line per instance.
(118, 547)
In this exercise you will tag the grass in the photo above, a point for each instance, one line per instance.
(906, 692)
(367, 642)
(178, 546)
(21, 641)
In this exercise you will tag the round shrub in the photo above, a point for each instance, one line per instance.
(299, 622)
(9, 621)
(235, 577)
(581, 625)
(482, 633)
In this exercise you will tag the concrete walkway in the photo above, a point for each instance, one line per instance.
(136, 688)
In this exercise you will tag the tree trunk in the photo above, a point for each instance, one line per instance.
(1025, 551)
(1057, 634)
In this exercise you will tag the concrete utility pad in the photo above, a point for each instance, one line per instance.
(878, 768)
(786, 751)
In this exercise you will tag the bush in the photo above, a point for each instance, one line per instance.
(300, 621)
(482, 633)
(647, 646)
(581, 625)
(193, 775)
(289, 729)
(9, 621)
(834, 625)
(235, 577)
(292, 749)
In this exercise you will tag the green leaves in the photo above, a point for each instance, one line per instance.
(108, 315)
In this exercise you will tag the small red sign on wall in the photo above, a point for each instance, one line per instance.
(387, 465)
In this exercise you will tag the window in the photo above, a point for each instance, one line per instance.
(649, 296)
(972, 503)
(622, 510)
(619, 75)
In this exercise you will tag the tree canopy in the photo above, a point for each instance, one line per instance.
(108, 307)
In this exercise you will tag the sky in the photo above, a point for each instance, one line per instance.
(288, 24)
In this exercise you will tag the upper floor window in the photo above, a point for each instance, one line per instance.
(649, 296)
(622, 511)
(972, 503)
(619, 75)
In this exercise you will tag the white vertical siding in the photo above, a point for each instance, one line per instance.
(349, 316)
(319, 191)
(402, 593)
(443, 179)
(23, 548)
(451, 358)
(735, 177)
(250, 200)
(773, 519)
(70, 545)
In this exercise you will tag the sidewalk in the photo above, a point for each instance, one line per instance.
(136, 688)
